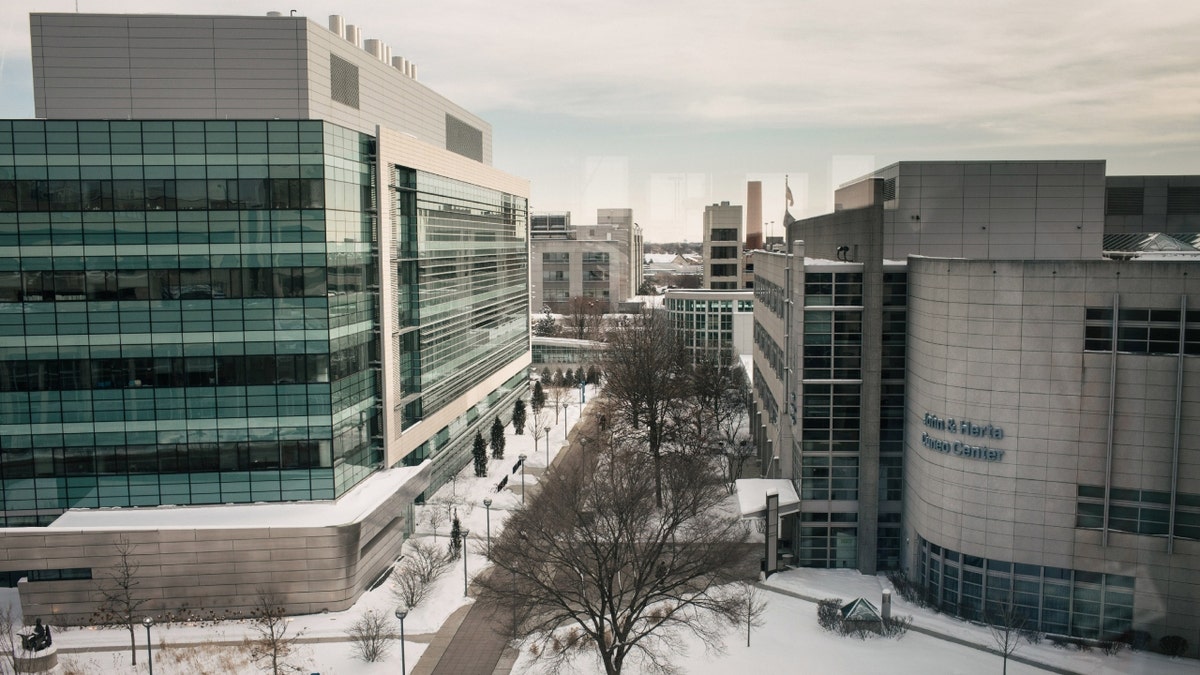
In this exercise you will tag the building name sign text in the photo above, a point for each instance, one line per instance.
(963, 428)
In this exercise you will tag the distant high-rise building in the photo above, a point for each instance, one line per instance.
(260, 287)
(723, 246)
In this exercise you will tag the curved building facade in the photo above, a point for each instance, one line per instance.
(1052, 442)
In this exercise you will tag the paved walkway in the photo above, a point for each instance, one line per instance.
(470, 641)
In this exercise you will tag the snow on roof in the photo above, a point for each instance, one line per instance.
(547, 340)
(661, 258)
(350, 507)
(752, 496)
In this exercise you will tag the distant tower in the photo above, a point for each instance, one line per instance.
(723, 246)
(754, 233)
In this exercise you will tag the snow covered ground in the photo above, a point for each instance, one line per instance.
(790, 641)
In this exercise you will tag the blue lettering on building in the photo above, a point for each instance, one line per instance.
(963, 428)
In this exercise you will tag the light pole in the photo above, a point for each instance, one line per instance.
(402, 612)
(522, 458)
(148, 622)
(487, 504)
(565, 404)
(547, 447)
(465, 531)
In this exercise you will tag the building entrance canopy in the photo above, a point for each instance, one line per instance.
(752, 496)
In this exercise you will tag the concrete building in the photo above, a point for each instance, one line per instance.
(243, 332)
(600, 262)
(964, 388)
(723, 246)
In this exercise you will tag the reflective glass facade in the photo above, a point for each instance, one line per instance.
(464, 291)
(463, 299)
(706, 326)
(830, 412)
(186, 313)
(1050, 599)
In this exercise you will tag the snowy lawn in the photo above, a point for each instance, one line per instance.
(790, 641)
(326, 648)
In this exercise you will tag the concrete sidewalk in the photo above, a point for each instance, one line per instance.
(470, 640)
(469, 643)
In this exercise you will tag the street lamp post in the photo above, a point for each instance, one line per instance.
(547, 446)
(402, 612)
(148, 622)
(465, 531)
(565, 404)
(522, 458)
(487, 504)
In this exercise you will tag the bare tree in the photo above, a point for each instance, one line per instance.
(422, 565)
(736, 456)
(437, 516)
(120, 599)
(593, 564)
(9, 623)
(754, 607)
(1007, 623)
(537, 424)
(371, 635)
(272, 647)
(558, 394)
(720, 397)
(645, 369)
(583, 317)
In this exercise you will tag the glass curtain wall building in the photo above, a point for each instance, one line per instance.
(277, 320)
(461, 259)
(714, 325)
(188, 314)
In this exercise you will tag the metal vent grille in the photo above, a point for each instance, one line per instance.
(889, 189)
(1123, 201)
(464, 139)
(1183, 201)
(343, 81)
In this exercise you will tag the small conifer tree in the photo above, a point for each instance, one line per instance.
(456, 542)
(497, 439)
(537, 400)
(480, 453)
(518, 416)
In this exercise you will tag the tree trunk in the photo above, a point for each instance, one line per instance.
(133, 644)
(658, 478)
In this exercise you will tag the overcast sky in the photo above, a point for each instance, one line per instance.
(665, 106)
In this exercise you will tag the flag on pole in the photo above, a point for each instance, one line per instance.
(790, 201)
